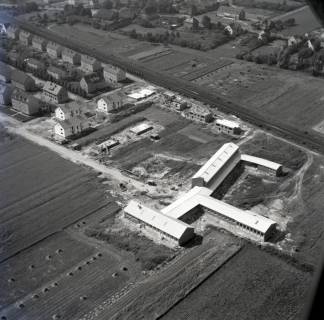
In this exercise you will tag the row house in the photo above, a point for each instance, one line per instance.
(93, 82)
(90, 64)
(13, 33)
(39, 43)
(22, 81)
(25, 102)
(113, 74)
(54, 93)
(110, 103)
(71, 56)
(57, 74)
(25, 37)
(54, 50)
(5, 94)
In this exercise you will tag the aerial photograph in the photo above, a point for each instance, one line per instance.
(161, 159)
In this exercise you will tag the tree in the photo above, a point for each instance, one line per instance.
(194, 10)
(241, 15)
(195, 24)
(151, 7)
(107, 4)
(206, 22)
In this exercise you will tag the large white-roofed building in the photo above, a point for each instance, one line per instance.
(199, 197)
(262, 164)
(218, 167)
(166, 226)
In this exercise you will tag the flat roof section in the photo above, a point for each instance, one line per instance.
(261, 162)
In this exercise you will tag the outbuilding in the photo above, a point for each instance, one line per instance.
(228, 127)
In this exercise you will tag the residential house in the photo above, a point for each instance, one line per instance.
(5, 94)
(22, 81)
(5, 72)
(127, 13)
(90, 64)
(55, 93)
(294, 40)
(25, 102)
(229, 12)
(199, 113)
(113, 74)
(110, 103)
(57, 74)
(92, 82)
(227, 126)
(54, 50)
(68, 111)
(25, 38)
(13, 32)
(39, 43)
(188, 23)
(71, 56)
(35, 65)
(69, 120)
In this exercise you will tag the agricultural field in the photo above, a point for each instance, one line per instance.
(275, 289)
(69, 284)
(101, 40)
(41, 193)
(306, 21)
(270, 92)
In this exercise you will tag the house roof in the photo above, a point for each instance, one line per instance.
(69, 52)
(67, 107)
(113, 97)
(19, 76)
(111, 69)
(56, 70)
(216, 162)
(89, 60)
(197, 109)
(39, 40)
(53, 45)
(22, 96)
(227, 123)
(25, 33)
(36, 63)
(52, 88)
(93, 78)
(173, 227)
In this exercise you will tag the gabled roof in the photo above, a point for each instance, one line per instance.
(69, 52)
(25, 33)
(112, 69)
(67, 107)
(89, 60)
(19, 76)
(216, 162)
(56, 70)
(53, 45)
(37, 63)
(93, 78)
(39, 40)
(52, 88)
(114, 96)
(22, 96)
(173, 227)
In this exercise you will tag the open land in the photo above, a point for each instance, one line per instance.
(275, 289)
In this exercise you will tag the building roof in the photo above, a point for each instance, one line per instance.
(141, 94)
(261, 162)
(19, 76)
(113, 96)
(93, 78)
(173, 227)
(22, 96)
(69, 52)
(88, 60)
(141, 128)
(36, 63)
(185, 203)
(111, 69)
(227, 123)
(201, 110)
(53, 45)
(52, 88)
(246, 217)
(38, 39)
(67, 107)
(56, 70)
(25, 33)
(65, 124)
(216, 162)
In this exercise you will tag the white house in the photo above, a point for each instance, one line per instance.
(113, 74)
(68, 111)
(68, 128)
(111, 102)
